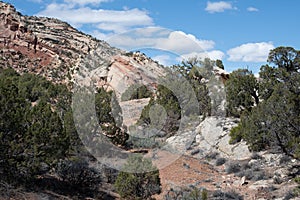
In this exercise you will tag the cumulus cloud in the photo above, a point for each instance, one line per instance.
(213, 55)
(221, 6)
(176, 42)
(112, 20)
(252, 9)
(137, 39)
(181, 42)
(251, 52)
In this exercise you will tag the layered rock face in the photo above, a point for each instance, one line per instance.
(43, 46)
(59, 52)
(136, 69)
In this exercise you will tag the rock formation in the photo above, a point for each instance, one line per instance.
(59, 52)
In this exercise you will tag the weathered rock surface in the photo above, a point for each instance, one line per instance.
(62, 54)
(213, 136)
(132, 110)
(134, 69)
(181, 142)
(44, 46)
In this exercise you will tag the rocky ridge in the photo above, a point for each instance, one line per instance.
(57, 51)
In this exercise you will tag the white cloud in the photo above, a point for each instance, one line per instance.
(112, 20)
(221, 6)
(213, 55)
(250, 52)
(176, 42)
(165, 60)
(85, 2)
(252, 9)
(180, 42)
(100, 35)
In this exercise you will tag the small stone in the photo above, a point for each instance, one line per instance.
(194, 152)
(186, 166)
(243, 181)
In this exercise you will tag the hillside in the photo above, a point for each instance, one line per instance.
(55, 50)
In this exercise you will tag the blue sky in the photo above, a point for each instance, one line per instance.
(240, 32)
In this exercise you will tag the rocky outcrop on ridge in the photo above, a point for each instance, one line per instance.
(57, 51)
(44, 46)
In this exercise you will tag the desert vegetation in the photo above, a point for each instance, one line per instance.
(268, 106)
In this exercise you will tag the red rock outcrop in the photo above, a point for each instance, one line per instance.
(59, 52)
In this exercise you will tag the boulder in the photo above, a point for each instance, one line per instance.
(181, 142)
(213, 135)
(260, 184)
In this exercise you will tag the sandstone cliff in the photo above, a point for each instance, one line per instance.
(59, 52)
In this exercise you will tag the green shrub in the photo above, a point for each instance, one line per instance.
(220, 161)
(32, 136)
(241, 92)
(212, 155)
(191, 193)
(136, 92)
(78, 174)
(290, 195)
(235, 134)
(109, 115)
(169, 102)
(220, 195)
(139, 180)
(204, 194)
(254, 175)
(233, 167)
